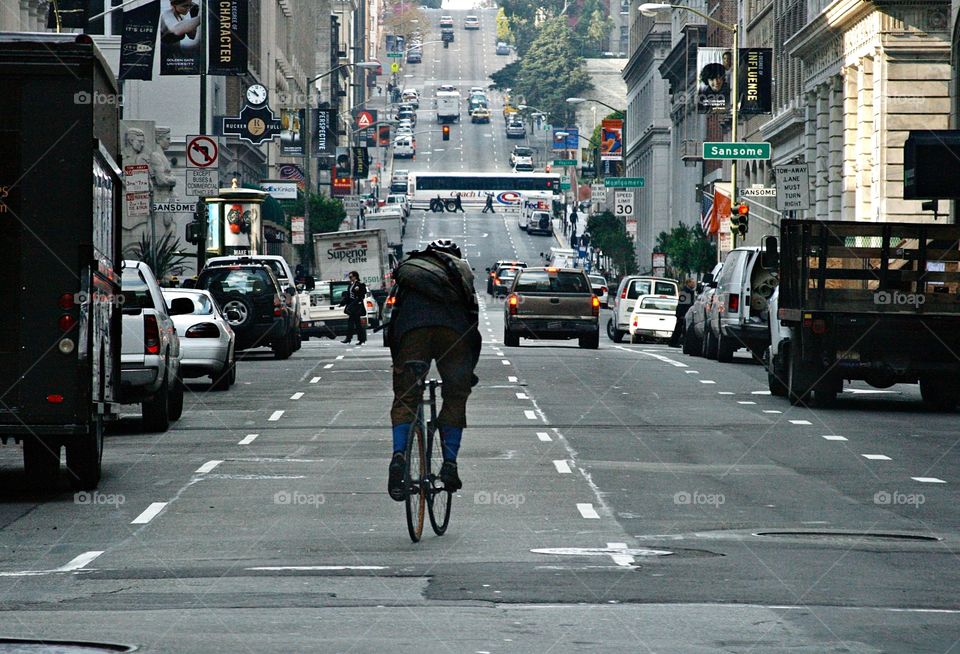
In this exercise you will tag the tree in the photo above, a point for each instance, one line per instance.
(503, 27)
(598, 28)
(688, 251)
(552, 56)
(326, 213)
(163, 257)
(610, 235)
(402, 16)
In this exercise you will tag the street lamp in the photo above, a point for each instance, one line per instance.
(650, 9)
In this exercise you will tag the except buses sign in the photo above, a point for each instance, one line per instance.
(720, 150)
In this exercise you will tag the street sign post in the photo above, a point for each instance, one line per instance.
(793, 183)
(564, 162)
(351, 204)
(202, 182)
(759, 192)
(721, 150)
(395, 55)
(623, 203)
(623, 182)
(598, 193)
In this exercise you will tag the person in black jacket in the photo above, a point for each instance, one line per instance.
(687, 296)
(458, 204)
(435, 318)
(352, 301)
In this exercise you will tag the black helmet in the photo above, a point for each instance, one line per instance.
(445, 245)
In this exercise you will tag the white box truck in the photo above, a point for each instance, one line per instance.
(363, 250)
(536, 212)
(448, 106)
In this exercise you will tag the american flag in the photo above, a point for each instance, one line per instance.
(708, 219)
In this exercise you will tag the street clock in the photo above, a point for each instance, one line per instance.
(257, 94)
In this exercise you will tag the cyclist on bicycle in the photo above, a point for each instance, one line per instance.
(435, 318)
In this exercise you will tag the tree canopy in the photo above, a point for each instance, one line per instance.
(610, 235)
(688, 250)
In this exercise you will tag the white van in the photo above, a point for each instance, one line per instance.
(630, 290)
(403, 147)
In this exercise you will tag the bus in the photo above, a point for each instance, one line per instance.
(474, 188)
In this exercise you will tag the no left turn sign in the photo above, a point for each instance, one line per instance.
(202, 151)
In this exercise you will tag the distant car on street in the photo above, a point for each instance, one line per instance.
(503, 48)
(471, 23)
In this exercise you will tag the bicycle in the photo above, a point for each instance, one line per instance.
(424, 490)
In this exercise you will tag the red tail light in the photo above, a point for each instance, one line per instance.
(595, 304)
(151, 335)
(391, 300)
(277, 307)
(66, 322)
(66, 301)
(203, 330)
(819, 326)
(634, 321)
(512, 303)
(733, 304)
(55, 399)
(623, 293)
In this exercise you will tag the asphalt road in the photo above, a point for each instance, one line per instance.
(627, 499)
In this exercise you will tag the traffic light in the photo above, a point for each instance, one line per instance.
(743, 219)
(446, 132)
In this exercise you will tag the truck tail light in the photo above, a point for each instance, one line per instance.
(733, 303)
(392, 300)
(151, 335)
(595, 305)
(819, 326)
(66, 322)
(634, 321)
(203, 330)
(512, 303)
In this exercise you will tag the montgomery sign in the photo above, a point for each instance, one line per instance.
(714, 150)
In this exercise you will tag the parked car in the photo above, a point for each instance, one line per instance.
(521, 154)
(411, 96)
(600, 288)
(552, 303)
(630, 289)
(503, 48)
(252, 302)
(403, 147)
(414, 56)
(206, 338)
(654, 317)
(150, 348)
(738, 315)
(495, 268)
(696, 319)
(516, 129)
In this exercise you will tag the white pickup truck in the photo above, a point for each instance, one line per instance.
(150, 348)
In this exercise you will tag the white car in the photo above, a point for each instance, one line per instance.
(630, 290)
(654, 317)
(206, 338)
(400, 200)
(521, 155)
(403, 147)
(471, 23)
(600, 288)
(411, 96)
(479, 90)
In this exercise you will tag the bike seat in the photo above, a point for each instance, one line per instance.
(418, 368)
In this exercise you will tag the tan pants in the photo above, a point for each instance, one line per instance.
(452, 354)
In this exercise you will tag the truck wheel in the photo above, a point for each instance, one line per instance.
(775, 377)
(282, 348)
(175, 403)
(590, 341)
(41, 462)
(85, 456)
(726, 346)
(799, 383)
(939, 393)
(297, 340)
(156, 413)
(613, 333)
(510, 340)
(691, 345)
(709, 343)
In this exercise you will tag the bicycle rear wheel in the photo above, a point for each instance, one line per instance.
(439, 499)
(413, 481)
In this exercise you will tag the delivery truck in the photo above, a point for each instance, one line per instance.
(60, 193)
(448, 106)
(390, 220)
(363, 250)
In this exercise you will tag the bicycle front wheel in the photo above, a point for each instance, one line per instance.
(413, 481)
(439, 499)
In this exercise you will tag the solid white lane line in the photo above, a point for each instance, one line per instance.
(522, 396)
(800, 422)
(771, 411)
(314, 380)
(833, 437)
(876, 457)
(745, 402)
(275, 416)
(281, 568)
(928, 480)
(562, 466)
(296, 396)
(249, 438)
(149, 514)
(725, 393)
(707, 381)
(759, 392)
(504, 362)
(80, 561)
(512, 380)
(530, 414)
(544, 436)
(208, 467)
(328, 366)
(692, 372)
(588, 512)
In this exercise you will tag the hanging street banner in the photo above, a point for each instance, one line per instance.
(291, 132)
(325, 144)
(611, 139)
(755, 72)
(138, 41)
(292, 172)
(227, 25)
(182, 50)
(254, 125)
(569, 142)
(365, 121)
(714, 68)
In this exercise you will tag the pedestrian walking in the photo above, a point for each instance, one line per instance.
(352, 303)
(573, 218)
(458, 204)
(489, 205)
(574, 240)
(379, 90)
(687, 296)
(585, 241)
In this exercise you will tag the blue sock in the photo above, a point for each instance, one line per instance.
(450, 436)
(400, 434)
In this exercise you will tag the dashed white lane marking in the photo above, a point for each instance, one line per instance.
(562, 466)
(149, 514)
(339, 357)
(800, 422)
(314, 380)
(544, 436)
(745, 402)
(208, 467)
(772, 411)
(531, 415)
(692, 372)
(297, 568)
(707, 381)
(81, 561)
(296, 396)
(833, 437)
(512, 380)
(275, 416)
(928, 480)
(249, 438)
(759, 392)
(876, 457)
(725, 393)
(504, 362)
(587, 511)
(328, 366)
(522, 396)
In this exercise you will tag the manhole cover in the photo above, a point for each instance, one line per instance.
(851, 536)
(18, 646)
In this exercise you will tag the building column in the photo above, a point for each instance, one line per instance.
(821, 168)
(863, 160)
(810, 142)
(835, 156)
(848, 210)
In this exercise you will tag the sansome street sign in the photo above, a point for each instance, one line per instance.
(720, 150)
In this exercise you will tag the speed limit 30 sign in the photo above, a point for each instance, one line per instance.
(623, 203)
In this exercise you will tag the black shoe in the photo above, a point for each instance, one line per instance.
(395, 488)
(449, 477)
(345, 341)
